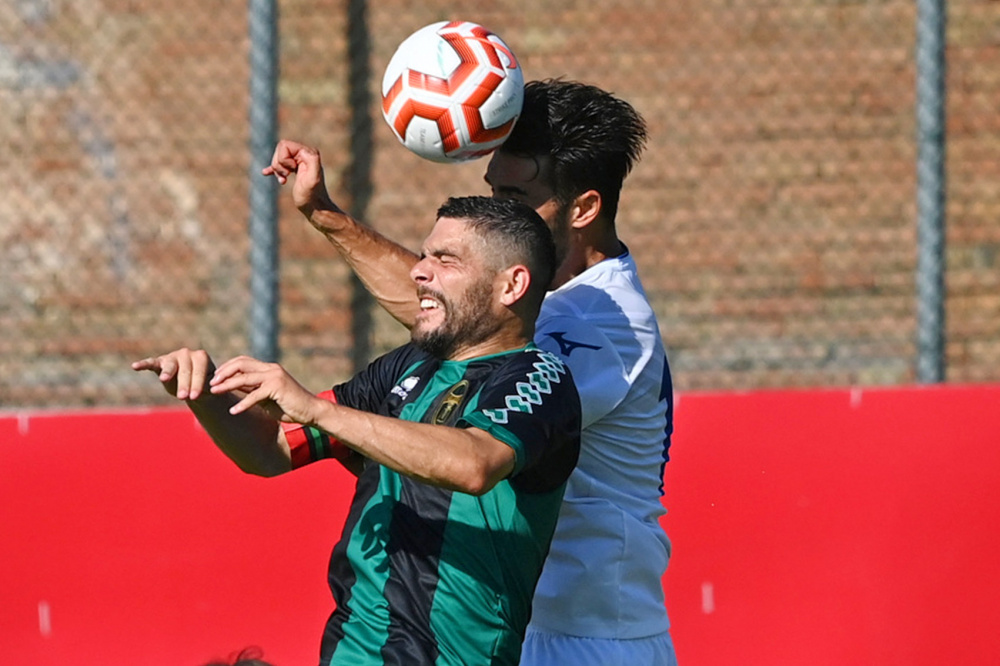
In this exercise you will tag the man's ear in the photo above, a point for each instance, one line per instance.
(585, 209)
(514, 284)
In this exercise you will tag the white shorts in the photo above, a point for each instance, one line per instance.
(545, 649)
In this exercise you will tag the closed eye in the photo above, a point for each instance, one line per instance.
(442, 257)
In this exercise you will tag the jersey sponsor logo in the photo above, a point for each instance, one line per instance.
(567, 346)
(529, 393)
(403, 388)
(450, 403)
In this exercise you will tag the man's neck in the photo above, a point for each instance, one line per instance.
(504, 341)
(582, 256)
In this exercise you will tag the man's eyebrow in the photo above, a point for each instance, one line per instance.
(508, 189)
(439, 252)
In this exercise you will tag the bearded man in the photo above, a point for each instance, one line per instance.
(462, 440)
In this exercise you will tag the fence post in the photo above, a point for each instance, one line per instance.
(359, 170)
(263, 220)
(930, 114)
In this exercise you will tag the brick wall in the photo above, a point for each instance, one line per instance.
(773, 215)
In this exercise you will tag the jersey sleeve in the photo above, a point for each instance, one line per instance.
(366, 391)
(531, 405)
(307, 444)
(597, 367)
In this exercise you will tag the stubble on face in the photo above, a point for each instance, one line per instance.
(468, 320)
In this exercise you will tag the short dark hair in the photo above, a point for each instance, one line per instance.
(592, 137)
(514, 233)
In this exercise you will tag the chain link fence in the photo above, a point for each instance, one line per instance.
(774, 215)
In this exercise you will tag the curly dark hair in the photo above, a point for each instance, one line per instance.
(592, 137)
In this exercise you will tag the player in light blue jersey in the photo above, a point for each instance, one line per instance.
(600, 599)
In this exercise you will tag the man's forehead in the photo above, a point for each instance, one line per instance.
(524, 179)
(510, 170)
(449, 233)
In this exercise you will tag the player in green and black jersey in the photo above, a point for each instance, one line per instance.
(462, 440)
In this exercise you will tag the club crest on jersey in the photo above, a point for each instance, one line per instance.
(403, 388)
(450, 404)
(567, 346)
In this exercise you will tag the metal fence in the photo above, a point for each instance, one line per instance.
(775, 216)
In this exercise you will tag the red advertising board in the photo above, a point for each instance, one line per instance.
(812, 527)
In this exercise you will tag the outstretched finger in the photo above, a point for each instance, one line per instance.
(240, 381)
(249, 400)
(164, 366)
(239, 364)
(148, 363)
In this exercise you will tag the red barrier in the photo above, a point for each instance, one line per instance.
(836, 527)
(820, 527)
(129, 539)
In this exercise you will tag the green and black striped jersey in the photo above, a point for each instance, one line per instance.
(424, 575)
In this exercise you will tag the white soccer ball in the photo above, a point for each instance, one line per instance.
(452, 91)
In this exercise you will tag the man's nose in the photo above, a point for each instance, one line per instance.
(419, 272)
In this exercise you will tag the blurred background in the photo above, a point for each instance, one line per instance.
(776, 216)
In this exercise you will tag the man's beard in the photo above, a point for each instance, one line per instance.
(467, 322)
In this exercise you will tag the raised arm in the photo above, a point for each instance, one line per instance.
(382, 265)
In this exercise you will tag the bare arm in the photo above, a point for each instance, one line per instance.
(252, 439)
(382, 265)
(467, 460)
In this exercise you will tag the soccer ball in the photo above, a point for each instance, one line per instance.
(452, 91)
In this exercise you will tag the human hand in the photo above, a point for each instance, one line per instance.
(268, 385)
(184, 373)
(309, 189)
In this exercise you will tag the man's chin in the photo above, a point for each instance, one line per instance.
(431, 342)
(423, 328)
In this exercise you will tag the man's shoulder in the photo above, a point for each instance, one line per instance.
(401, 357)
(531, 358)
(529, 371)
(603, 291)
(590, 318)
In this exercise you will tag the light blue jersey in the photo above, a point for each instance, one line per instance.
(603, 576)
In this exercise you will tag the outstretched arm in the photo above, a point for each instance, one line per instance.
(464, 459)
(382, 265)
(251, 439)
